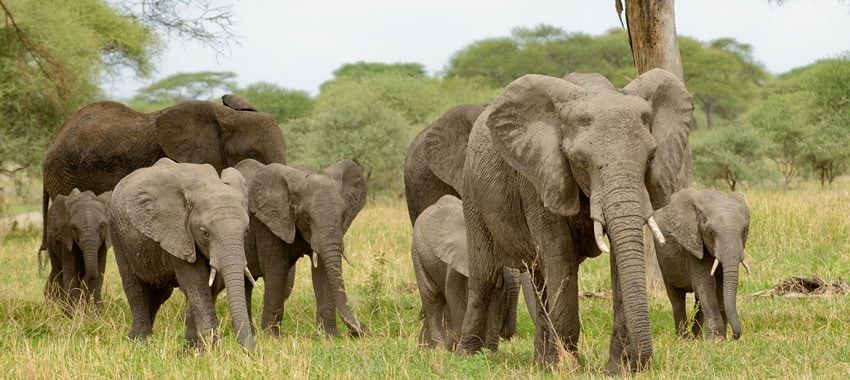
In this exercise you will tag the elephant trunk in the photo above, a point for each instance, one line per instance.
(730, 293)
(625, 204)
(90, 243)
(233, 273)
(508, 329)
(331, 258)
(529, 293)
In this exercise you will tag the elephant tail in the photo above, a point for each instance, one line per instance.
(45, 200)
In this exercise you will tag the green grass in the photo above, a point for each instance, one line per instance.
(802, 232)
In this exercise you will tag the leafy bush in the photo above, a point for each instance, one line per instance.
(283, 103)
(727, 155)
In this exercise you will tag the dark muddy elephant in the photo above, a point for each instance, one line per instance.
(105, 141)
(551, 165)
(296, 212)
(434, 163)
(178, 225)
(77, 241)
(441, 265)
(705, 230)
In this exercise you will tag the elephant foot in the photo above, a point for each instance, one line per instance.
(272, 331)
(353, 333)
(139, 335)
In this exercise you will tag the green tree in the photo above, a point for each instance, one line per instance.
(283, 103)
(722, 75)
(783, 121)
(827, 150)
(727, 155)
(187, 86)
(363, 69)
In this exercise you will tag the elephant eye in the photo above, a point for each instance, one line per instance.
(646, 117)
(205, 232)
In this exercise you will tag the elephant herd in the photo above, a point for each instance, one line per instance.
(504, 198)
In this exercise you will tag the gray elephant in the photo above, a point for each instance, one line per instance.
(296, 212)
(434, 163)
(551, 165)
(441, 265)
(178, 225)
(105, 141)
(704, 230)
(78, 238)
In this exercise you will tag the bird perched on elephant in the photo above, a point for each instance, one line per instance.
(78, 238)
(179, 225)
(551, 166)
(706, 235)
(297, 212)
(434, 163)
(441, 266)
(103, 142)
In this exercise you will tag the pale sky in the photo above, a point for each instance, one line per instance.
(297, 44)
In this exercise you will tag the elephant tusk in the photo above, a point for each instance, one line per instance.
(747, 267)
(212, 276)
(600, 240)
(653, 226)
(315, 260)
(714, 266)
(250, 277)
(346, 259)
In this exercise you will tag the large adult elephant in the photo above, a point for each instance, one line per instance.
(103, 142)
(434, 164)
(551, 165)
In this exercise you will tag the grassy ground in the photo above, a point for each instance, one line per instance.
(803, 232)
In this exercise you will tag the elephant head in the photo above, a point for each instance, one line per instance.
(79, 222)
(220, 135)
(193, 214)
(319, 207)
(714, 223)
(621, 149)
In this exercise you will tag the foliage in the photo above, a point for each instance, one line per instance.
(783, 121)
(200, 85)
(52, 59)
(283, 103)
(361, 69)
(827, 150)
(727, 155)
(201, 21)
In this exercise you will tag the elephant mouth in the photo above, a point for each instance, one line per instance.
(599, 233)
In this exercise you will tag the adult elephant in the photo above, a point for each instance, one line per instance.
(434, 164)
(103, 142)
(553, 163)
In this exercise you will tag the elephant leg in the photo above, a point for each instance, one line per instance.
(53, 290)
(325, 309)
(137, 296)
(193, 280)
(157, 296)
(699, 319)
(275, 273)
(680, 315)
(69, 274)
(543, 331)
(707, 292)
(482, 281)
(456, 291)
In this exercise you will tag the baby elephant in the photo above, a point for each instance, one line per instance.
(78, 238)
(706, 234)
(177, 225)
(441, 265)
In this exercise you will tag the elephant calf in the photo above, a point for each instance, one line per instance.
(78, 238)
(178, 225)
(705, 230)
(441, 265)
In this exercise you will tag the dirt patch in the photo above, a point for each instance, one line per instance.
(804, 287)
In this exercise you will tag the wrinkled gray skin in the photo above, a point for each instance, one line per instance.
(103, 142)
(544, 161)
(701, 226)
(171, 225)
(441, 266)
(78, 238)
(295, 212)
(434, 163)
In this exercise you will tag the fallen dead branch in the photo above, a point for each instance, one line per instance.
(804, 287)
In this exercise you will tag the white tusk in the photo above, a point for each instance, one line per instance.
(747, 267)
(250, 277)
(714, 266)
(212, 276)
(653, 226)
(346, 259)
(315, 260)
(600, 240)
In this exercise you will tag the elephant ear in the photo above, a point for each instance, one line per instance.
(445, 144)
(445, 232)
(679, 220)
(190, 132)
(353, 188)
(271, 201)
(526, 130)
(155, 200)
(237, 102)
(234, 179)
(672, 113)
(59, 227)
